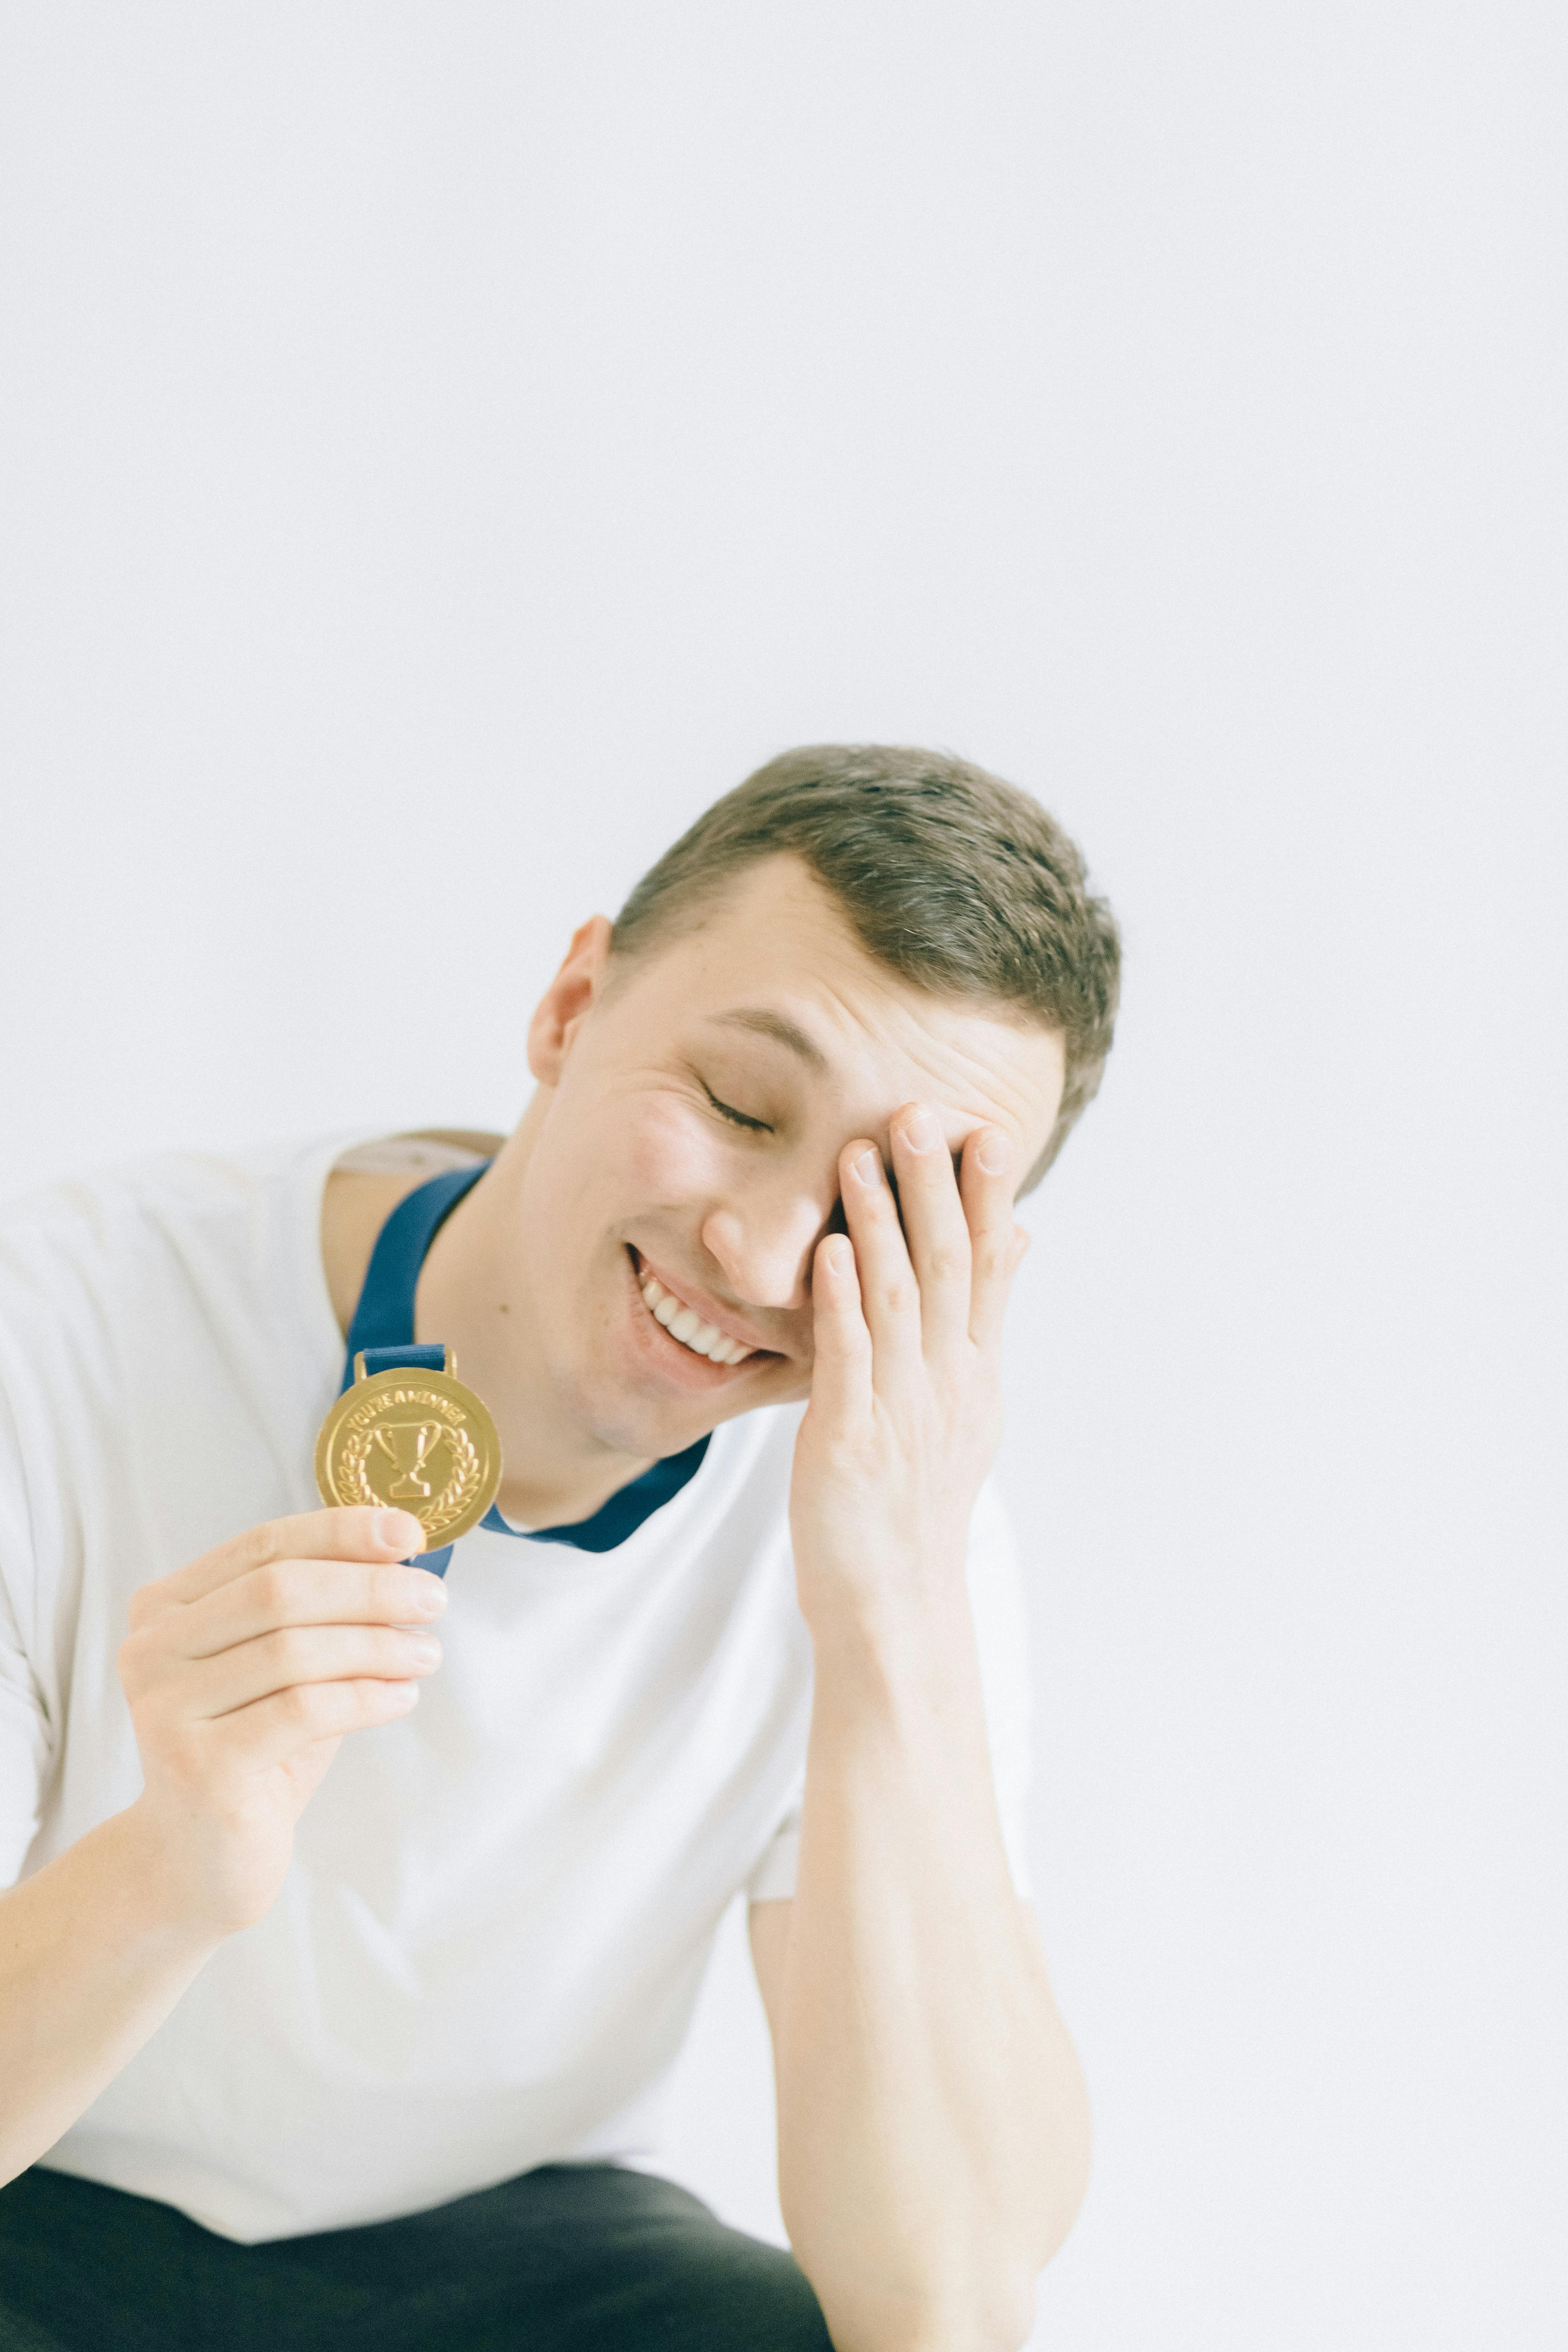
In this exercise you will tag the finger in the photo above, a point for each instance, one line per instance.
(986, 1182)
(936, 1230)
(299, 1657)
(301, 1592)
(351, 1533)
(841, 1365)
(890, 1296)
(276, 1728)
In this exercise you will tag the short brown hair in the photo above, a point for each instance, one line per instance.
(950, 877)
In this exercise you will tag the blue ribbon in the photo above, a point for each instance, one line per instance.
(382, 1332)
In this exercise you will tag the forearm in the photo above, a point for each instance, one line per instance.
(92, 1959)
(932, 2125)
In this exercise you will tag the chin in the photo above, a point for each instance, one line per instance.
(648, 1434)
(626, 1417)
(638, 1391)
(631, 1416)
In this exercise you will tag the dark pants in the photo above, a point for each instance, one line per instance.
(572, 2258)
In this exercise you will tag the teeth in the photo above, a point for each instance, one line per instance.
(684, 1323)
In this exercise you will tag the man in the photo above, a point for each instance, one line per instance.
(334, 1992)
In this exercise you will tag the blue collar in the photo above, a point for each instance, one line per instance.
(383, 1327)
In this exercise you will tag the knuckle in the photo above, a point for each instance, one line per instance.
(274, 1588)
(302, 1705)
(181, 1754)
(176, 1763)
(142, 1606)
(849, 1462)
(293, 1648)
(142, 1663)
(258, 1545)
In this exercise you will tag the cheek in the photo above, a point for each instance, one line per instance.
(667, 1150)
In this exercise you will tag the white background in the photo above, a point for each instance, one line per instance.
(445, 447)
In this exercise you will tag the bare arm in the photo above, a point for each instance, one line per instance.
(93, 1956)
(933, 2132)
(242, 1672)
(933, 2124)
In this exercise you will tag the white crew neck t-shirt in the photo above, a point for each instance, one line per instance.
(488, 1947)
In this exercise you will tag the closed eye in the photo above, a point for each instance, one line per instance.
(737, 1118)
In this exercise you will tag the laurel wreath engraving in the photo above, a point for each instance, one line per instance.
(446, 1509)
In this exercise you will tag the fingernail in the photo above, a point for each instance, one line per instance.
(921, 1130)
(401, 1529)
(995, 1152)
(868, 1167)
(837, 1255)
(429, 1597)
(426, 1647)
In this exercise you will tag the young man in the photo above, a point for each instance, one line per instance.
(335, 1992)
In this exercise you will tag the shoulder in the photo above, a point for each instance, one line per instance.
(86, 1222)
(103, 1273)
(128, 1299)
(100, 1227)
(69, 1248)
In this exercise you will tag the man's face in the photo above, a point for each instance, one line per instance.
(683, 1156)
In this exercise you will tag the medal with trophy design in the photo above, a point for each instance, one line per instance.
(415, 1439)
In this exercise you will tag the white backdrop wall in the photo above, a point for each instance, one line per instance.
(445, 447)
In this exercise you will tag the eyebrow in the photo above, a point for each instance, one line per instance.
(762, 1022)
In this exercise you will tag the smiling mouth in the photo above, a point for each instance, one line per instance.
(686, 1327)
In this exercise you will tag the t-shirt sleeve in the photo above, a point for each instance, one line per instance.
(1002, 1641)
(774, 1877)
(26, 1742)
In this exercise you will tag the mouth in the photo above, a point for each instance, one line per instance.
(684, 1329)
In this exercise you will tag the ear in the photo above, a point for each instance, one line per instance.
(567, 1001)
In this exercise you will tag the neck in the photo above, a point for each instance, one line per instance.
(472, 1296)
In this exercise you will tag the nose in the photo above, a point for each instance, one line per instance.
(765, 1249)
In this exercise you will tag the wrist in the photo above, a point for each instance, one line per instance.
(165, 1899)
(861, 1580)
(892, 1648)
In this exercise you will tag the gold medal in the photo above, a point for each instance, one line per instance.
(417, 1441)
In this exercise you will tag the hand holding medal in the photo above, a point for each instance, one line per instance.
(413, 1438)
